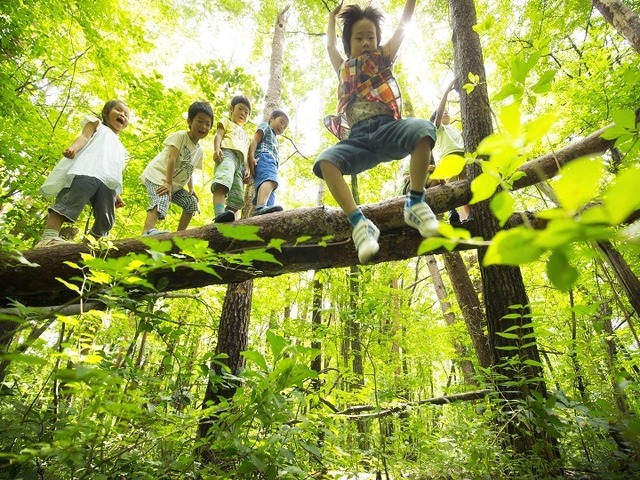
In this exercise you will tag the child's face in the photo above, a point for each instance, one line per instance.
(363, 38)
(446, 119)
(199, 126)
(279, 124)
(118, 118)
(240, 114)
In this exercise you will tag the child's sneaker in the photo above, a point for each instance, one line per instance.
(421, 217)
(225, 217)
(51, 242)
(365, 237)
(154, 231)
(264, 209)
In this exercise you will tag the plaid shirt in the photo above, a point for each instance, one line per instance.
(370, 78)
(269, 142)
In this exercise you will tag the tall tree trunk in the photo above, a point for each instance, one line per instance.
(628, 280)
(236, 309)
(470, 306)
(232, 339)
(624, 20)
(503, 286)
(438, 284)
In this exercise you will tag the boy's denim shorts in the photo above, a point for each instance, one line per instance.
(376, 140)
(266, 171)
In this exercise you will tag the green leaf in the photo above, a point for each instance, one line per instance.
(510, 119)
(622, 197)
(248, 233)
(433, 243)
(23, 358)
(276, 342)
(578, 183)
(625, 119)
(538, 128)
(512, 247)
(544, 83)
(502, 206)
(561, 273)
(508, 90)
(483, 187)
(257, 358)
(449, 166)
(69, 285)
(519, 69)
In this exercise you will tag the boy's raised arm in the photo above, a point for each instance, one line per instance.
(443, 104)
(332, 49)
(398, 36)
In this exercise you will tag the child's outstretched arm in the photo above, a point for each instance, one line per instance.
(251, 159)
(87, 132)
(443, 104)
(217, 144)
(398, 36)
(167, 186)
(332, 49)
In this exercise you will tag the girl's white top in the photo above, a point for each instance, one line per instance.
(103, 157)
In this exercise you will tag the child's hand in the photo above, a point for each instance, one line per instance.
(193, 194)
(119, 202)
(247, 175)
(336, 10)
(251, 161)
(69, 152)
(165, 189)
(217, 156)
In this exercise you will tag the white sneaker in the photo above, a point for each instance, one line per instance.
(365, 237)
(421, 217)
(51, 242)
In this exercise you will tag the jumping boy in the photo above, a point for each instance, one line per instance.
(369, 97)
(231, 171)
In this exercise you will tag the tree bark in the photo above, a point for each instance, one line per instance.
(624, 20)
(503, 286)
(470, 306)
(232, 339)
(465, 365)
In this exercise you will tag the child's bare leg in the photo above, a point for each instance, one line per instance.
(219, 194)
(466, 211)
(365, 234)
(152, 218)
(338, 187)
(419, 166)
(417, 213)
(54, 221)
(264, 191)
(184, 221)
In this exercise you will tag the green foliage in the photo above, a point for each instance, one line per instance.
(117, 393)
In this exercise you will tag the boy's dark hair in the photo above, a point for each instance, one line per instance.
(278, 113)
(350, 15)
(433, 116)
(199, 107)
(240, 99)
(108, 107)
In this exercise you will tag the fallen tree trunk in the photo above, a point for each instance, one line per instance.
(38, 286)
